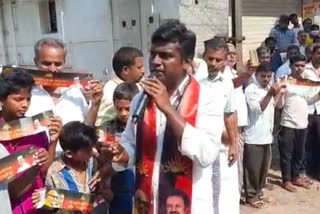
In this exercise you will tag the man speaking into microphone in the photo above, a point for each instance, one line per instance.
(175, 142)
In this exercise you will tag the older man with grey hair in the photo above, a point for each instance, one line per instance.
(50, 54)
(67, 103)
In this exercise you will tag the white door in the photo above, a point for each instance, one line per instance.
(126, 23)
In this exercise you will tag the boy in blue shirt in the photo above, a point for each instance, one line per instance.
(122, 183)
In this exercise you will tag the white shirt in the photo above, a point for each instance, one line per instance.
(106, 111)
(201, 143)
(284, 70)
(72, 106)
(200, 69)
(311, 73)
(259, 130)
(239, 98)
(296, 30)
(295, 106)
(302, 49)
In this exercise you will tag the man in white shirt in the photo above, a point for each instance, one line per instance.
(258, 134)
(199, 69)
(128, 66)
(312, 72)
(184, 121)
(216, 55)
(67, 103)
(302, 41)
(294, 122)
(241, 109)
(264, 57)
(297, 27)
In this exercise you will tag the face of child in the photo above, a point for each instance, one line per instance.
(17, 104)
(82, 155)
(122, 108)
(136, 71)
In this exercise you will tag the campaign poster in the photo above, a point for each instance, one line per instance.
(14, 164)
(66, 200)
(25, 126)
(54, 79)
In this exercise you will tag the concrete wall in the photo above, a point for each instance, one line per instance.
(207, 18)
(2, 46)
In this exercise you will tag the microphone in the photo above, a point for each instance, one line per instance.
(141, 106)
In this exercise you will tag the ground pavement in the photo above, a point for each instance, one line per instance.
(283, 202)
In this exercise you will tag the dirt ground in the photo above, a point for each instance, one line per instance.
(284, 202)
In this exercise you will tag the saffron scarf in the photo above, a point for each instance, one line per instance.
(175, 169)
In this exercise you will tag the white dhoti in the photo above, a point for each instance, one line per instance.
(229, 199)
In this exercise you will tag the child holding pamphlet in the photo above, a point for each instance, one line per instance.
(73, 169)
(15, 95)
(122, 182)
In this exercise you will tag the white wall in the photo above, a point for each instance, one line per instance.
(168, 9)
(88, 33)
(84, 26)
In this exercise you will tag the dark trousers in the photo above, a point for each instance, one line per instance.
(256, 159)
(292, 144)
(314, 141)
(122, 185)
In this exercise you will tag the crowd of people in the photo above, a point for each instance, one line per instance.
(203, 140)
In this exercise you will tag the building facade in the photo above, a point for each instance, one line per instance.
(95, 29)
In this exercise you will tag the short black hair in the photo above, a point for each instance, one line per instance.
(302, 32)
(293, 15)
(268, 39)
(174, 31)
(291, 47)
(13, 81)
(315, 47)
(76, 135)
(297, 58)
(261, 50)
(284, 18)
(216, 43)
(314, 27)
(307, 19)
(125, 56)
(182, 194)
(264, 67)
(125, 91)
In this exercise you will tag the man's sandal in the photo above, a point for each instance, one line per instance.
(289, 187)
(300, 182)
(259, 204)
(264, 199)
